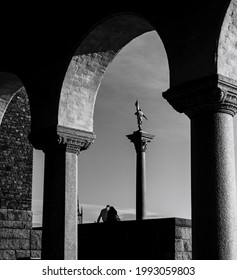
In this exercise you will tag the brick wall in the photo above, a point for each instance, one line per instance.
(16, 158)
(16, 155)
(15, 228)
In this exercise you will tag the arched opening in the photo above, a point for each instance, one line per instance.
(140, 70)
(99, 49)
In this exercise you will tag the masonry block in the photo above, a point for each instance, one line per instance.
(7, 255)
(183, 255)
(14, 233)
(22, 254)
(35, 254)
(3, 214)
(187, 245)
(36, 236)
(183, 232)
(15, 224)
(179, 245)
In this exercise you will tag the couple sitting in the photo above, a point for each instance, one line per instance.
(108, 215)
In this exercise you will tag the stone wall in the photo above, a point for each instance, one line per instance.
(15, 231)
(183, 240)
(161, 239)
(16, 160)
(17, 238)
(157, 239)
(35, 241)
(16, 156)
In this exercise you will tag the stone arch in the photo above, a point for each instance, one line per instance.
(88, 65)
(9, 84)
(227, 44)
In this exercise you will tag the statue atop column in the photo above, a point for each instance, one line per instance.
(140, 115)
(140, 139)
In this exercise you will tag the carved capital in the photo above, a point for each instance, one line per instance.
(140, 139)
(212, 94)
(60, 137)
(74, 139)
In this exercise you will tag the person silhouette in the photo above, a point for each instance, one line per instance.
(103, 214)
(112, 215)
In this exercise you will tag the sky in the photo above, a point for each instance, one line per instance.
(107, 170)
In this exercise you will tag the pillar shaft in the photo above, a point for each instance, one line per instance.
(60, 222)
(213, 187)
(71, 189)
(141, 186)
(58, 237)
(210, 104)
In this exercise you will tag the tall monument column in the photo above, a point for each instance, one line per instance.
(61, 148)
(211, 104)
(140, 139)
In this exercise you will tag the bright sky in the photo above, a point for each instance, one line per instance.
(107, 169)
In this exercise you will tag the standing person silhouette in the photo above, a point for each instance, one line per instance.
(103, 214)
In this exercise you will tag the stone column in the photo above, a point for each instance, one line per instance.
(140, 139)
(211, 104)
(59, 236)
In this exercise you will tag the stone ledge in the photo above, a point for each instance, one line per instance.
(183, 222)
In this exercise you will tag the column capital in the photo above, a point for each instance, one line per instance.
(140, 139)
(60, 137)
(215, 93)
(75, 140)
